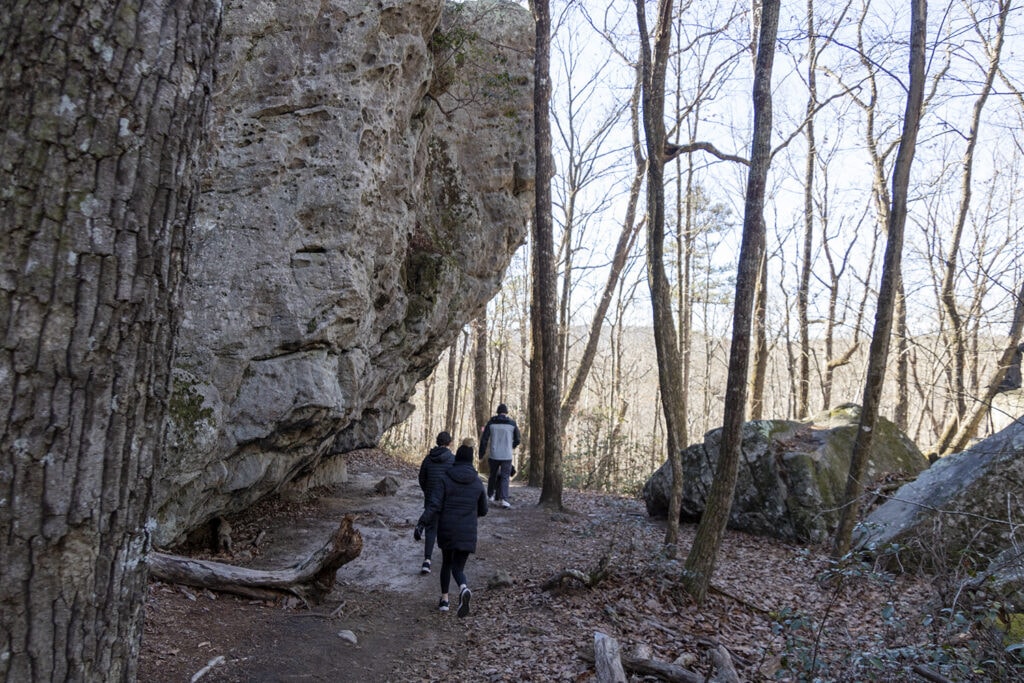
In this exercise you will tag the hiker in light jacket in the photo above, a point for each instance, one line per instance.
(433, 467)
(454, 505)
(500, 436)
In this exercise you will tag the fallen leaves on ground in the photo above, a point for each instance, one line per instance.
(784, 612)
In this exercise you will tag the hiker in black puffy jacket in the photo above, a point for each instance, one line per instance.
(432, 469)
(454, 504)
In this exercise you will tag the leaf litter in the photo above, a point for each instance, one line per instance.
(769, 605)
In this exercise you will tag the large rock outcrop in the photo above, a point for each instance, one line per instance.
(792, 475)
(370, 176)
(966, 505)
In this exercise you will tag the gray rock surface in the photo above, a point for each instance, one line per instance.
(1003, 580)
(369, 177)
(963, 504)
(791, 477)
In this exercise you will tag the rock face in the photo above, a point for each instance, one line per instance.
(791, 475)
(369, 178)
(960, 505)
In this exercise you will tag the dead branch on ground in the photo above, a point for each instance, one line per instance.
(591, 579)
(637, 665)
(310, 580)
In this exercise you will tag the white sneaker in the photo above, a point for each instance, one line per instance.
(464, 595)
(490, 499)
(506, 504)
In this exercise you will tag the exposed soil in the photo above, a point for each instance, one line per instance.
(766, 606)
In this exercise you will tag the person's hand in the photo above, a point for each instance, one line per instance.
(417, 533)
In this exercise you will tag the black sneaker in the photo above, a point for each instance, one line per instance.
(425, 567)
(442, 605)
(464, 595)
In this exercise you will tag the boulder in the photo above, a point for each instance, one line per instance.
(792, 474)
(1004, 579)
(388, 486)
(369, 177)
(962, 508)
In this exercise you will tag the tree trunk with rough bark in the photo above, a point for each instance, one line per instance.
(806, 253)
(103, 107)
(759, 361)
(535, 434)
(700, 563)
(546, 285)
(665, 342)
(481, 407)
(878, 354)
(451, 387)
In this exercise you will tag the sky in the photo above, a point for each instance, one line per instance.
(711, 75)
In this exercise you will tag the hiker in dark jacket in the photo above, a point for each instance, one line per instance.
(432, 469)
(454, 504)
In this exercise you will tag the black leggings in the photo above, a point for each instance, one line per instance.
(429, 538)
(453, 562)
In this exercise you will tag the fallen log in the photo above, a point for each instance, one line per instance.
(668, 672)
(310, 580)
(724, 670)
(606, 659)
(929, 675)
(645, 667)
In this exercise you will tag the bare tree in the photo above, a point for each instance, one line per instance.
(834, 360)
(535, 431)
(970, 422)
(451, 386)
(623, 248)
(700, 562)
(584, 133)
(481, 406)
(701, 70)
(956, 340)
(546, 296)
(585, 138)
(428, 410)
(879, 351)
(102, 126)
(759, 359)
(669, 365)
(803, 290)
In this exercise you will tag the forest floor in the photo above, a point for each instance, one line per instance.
(769, 605)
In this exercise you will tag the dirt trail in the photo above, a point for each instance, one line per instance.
(380, 597)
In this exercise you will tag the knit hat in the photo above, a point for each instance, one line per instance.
(502, 409)
(444, 438)
(465, 451)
